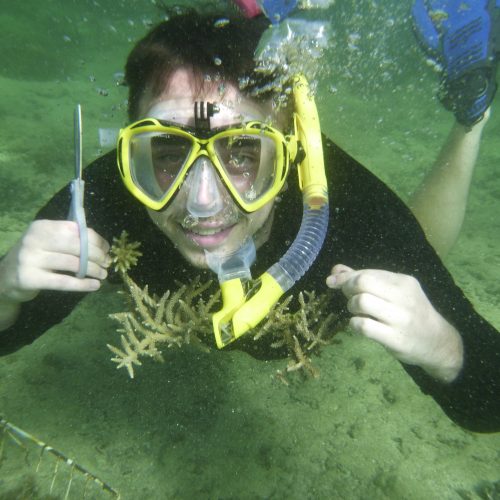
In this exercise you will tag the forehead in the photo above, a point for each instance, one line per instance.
(176, 102)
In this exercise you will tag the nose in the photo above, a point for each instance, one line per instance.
(204, 190)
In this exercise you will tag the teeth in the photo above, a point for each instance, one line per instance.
(206, 231)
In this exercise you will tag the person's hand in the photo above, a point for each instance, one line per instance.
(393, 310)
(460, 38)
(47, 257)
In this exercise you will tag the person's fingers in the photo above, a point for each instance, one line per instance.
(46, 280)
(340, 268)
(379, 332)
(367, 281)
(390, 338)
(366, 304)
(98, 255)
(67, 283)
(338, 275)
(384, 284)
(51, 261)
(52, 234)
(98, 241)
(64, 237)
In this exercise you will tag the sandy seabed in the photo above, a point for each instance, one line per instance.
(221, 424)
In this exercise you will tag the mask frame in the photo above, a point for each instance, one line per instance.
(285, 147)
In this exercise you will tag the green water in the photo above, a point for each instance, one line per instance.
(221, 425)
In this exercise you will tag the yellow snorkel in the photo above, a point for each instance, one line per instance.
(239, 315)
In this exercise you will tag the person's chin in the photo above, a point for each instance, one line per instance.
(194, 257)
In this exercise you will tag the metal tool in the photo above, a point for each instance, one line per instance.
(77, 211)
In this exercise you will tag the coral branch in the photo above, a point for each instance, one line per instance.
(185, 317)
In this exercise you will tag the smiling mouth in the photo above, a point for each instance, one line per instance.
(208, 227)
(206, 231)
(207, 237)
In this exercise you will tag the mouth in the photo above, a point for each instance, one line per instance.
(207, 236)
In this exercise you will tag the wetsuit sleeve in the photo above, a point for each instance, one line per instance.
(36, 317)
(372, 228)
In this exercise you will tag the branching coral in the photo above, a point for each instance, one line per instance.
(302, 331)
(171, 320)
(124, 253)
(185, 317)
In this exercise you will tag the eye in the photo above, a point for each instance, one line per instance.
(168, 158)
(240, 155)
(169, 154)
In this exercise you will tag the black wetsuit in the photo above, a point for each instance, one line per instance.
(370, 227)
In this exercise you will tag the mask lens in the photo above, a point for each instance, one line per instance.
(156, 160)
(249, 162)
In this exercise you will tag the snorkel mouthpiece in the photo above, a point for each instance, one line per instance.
(238, 314)
(235, 265)
(232, 271)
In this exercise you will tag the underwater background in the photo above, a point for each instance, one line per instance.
(221, 424)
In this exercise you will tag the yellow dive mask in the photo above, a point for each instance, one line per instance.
(252, 159)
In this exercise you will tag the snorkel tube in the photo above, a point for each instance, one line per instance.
(238, 315)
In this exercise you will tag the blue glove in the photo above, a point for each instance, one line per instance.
(463, 37)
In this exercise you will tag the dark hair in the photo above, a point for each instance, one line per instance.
(218, 46)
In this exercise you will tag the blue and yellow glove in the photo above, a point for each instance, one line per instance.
(463, 37)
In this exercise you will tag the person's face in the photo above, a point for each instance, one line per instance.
(225, 230)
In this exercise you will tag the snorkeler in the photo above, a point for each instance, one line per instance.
(211, 176)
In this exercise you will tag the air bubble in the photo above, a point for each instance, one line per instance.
(220, 23)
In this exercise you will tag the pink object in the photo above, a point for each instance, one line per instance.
(250, 8)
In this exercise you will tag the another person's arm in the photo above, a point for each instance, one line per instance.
(440, 201)
(462, 43)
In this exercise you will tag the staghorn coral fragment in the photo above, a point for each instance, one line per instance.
(125, 359)
(172, 320)
(150, 325)
(184, 316)
(124, 254)
(308, 328)
(303, 362)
